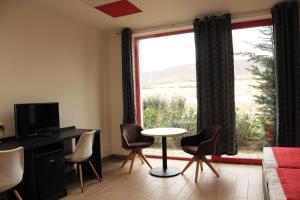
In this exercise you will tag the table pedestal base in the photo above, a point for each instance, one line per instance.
(169, 172)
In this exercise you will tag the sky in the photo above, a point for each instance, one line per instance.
(164, 52)
(168, 51)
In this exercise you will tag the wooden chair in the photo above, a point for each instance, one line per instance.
(200, 145)
(11, 169)
(134, 141)
(82, 153)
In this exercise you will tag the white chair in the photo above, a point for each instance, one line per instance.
(11, 169)
(83, 151)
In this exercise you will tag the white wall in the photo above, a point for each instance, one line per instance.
(115, 88)
(46, 57)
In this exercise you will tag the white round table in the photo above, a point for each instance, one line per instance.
(164, 171)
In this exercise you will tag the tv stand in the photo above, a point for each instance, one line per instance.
(44, 177)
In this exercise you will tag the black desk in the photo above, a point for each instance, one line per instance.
(37, 180)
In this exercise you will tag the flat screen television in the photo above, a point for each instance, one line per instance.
(36, 118)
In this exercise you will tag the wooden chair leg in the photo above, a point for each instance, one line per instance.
(144, 158)
(81, 178)
(188, 165)
(95, 172)
(132, 162)
(201, 165)
(204, 159)
(128, 157)
(17, 195)
(75, 167)
(140, 158)
(197, 170)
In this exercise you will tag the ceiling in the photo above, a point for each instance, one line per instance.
(154, 12)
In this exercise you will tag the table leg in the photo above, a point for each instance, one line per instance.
(164, 153)
(164, 171)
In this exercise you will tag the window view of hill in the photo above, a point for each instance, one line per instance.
(181, 81)
(168, 86)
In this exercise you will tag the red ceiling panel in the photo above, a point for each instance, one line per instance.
(119, 8)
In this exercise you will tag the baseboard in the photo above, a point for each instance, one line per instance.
(113, 156)
(119, 156)
(105, 158)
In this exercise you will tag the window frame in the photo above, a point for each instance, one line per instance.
(136, 40)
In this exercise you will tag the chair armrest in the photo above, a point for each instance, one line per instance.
(207, 147)
(193, 140)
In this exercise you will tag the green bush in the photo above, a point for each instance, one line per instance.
(151, 117)
(160, 112)
(247, 127)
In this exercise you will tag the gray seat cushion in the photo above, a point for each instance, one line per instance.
(137, 145)
(190, 149)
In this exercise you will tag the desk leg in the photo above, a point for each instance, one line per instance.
(164, 153)
(164, 171)
(96, 156)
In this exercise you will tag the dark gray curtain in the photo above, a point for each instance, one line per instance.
(127, 77)
(215, 79)
(286, 38)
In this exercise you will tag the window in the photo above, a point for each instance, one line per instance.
(254, 88)
(167, 77)
(166, 86)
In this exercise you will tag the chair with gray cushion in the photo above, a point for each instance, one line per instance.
(134, 141)
(201, 145)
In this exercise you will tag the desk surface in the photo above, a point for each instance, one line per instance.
(37, 141)
(164, 132)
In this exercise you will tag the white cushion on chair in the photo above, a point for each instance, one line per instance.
(11, 168)
(83, 149)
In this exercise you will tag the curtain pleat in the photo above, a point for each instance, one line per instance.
(127, 77)
(215, 79)
(286, 39)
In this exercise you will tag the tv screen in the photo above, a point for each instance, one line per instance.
(37, 118)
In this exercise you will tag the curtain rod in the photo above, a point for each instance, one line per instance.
(234, 16)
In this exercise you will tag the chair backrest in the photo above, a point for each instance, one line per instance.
(212, 132)
(11, 168)
(84, 147)
(130, 133)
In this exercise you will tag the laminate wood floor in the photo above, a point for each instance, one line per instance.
(235, 182)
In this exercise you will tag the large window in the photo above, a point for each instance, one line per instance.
(254, 89)
(167, 86)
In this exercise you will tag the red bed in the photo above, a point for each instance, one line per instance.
(287, 157)
(290, 182)
(281, 173)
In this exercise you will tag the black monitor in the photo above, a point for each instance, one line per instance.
(36, 118)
